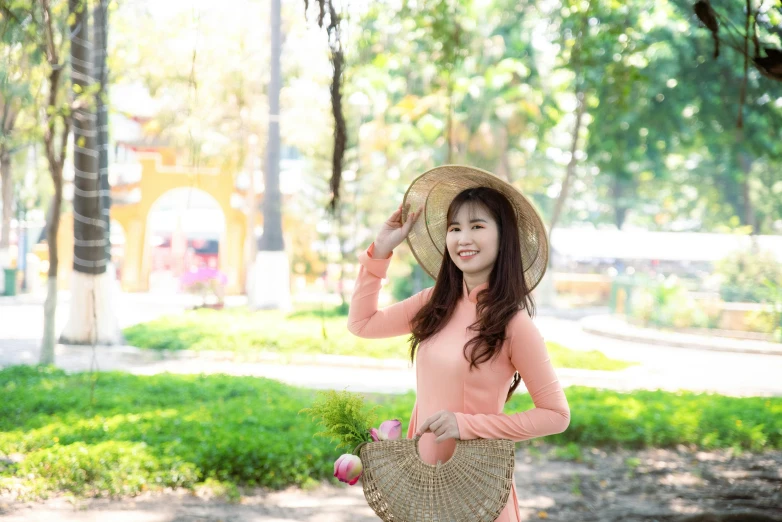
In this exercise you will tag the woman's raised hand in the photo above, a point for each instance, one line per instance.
(393, 231)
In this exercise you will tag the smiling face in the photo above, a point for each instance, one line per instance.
(474, 232)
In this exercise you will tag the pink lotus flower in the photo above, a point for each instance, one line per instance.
(348, 468)
(389, 430)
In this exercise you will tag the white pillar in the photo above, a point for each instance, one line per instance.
(271, 288)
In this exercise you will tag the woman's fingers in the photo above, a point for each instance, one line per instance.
(409, 222)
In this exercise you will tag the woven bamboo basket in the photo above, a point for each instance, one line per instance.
(472, 486)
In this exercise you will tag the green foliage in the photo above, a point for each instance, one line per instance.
(746, 276)
(105, 468)
(317, 312)
(663, 419)
(659, 147)
(562, 357)
(146, 432)
(750, 276)
(569, 451)
(344, 417)
(643, 419)
(632, 463)
(249, 332)
(225, 489)
(413, 280)
(668, 304)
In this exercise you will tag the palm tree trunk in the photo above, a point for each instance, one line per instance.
(88, 322)
(88, 227)
(101, 31)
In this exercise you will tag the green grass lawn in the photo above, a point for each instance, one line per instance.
(246, 332)
(142, 432)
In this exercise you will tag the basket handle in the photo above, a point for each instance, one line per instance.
(416, 439)
(356, 450)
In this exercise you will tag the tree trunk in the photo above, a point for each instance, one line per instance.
(503, 163)
(571, 166)
(748, 216)
(272, 208)
(620, 190)
(271, 279)
(744, 161)
(547, 290)
(10, 111)
(101, 31)
(90, 318)
(340, 128)
(449, 123)
(337, 58)
(55, 155)
(341, 240)
(8, 199)
(52, 228)
(88, 226)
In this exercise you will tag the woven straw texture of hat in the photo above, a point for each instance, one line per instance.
(472, 486)
(435, 189)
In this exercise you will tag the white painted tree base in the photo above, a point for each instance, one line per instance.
(5, 262)
(49, 310)
(271, 288)
(84, 320)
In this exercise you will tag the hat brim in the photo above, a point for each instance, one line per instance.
(435, 189)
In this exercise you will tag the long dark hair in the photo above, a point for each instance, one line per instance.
(507, 292)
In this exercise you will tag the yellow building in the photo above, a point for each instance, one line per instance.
(160, 174)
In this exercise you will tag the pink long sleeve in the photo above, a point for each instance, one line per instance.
(551, 413)
(364, 318)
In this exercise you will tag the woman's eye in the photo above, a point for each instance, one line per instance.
(455, 228)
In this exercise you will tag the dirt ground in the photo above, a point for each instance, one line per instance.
(651, 485)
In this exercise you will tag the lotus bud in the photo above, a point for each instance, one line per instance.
(389, 430)
(348, 468)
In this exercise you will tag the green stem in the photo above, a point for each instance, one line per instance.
(357, 448)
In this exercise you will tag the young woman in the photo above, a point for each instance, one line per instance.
(472, 332)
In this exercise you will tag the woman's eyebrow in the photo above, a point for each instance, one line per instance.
(471, 221)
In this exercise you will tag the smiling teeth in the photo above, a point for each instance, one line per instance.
(467, 254)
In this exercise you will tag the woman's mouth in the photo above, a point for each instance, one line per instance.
(468, 254)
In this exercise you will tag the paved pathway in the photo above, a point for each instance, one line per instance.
(665, 367)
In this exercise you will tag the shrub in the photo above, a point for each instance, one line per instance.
(668, 304)
(205, 282)
(144, 432)
(750, 276)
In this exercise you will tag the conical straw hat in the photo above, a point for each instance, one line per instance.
(436, 188)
